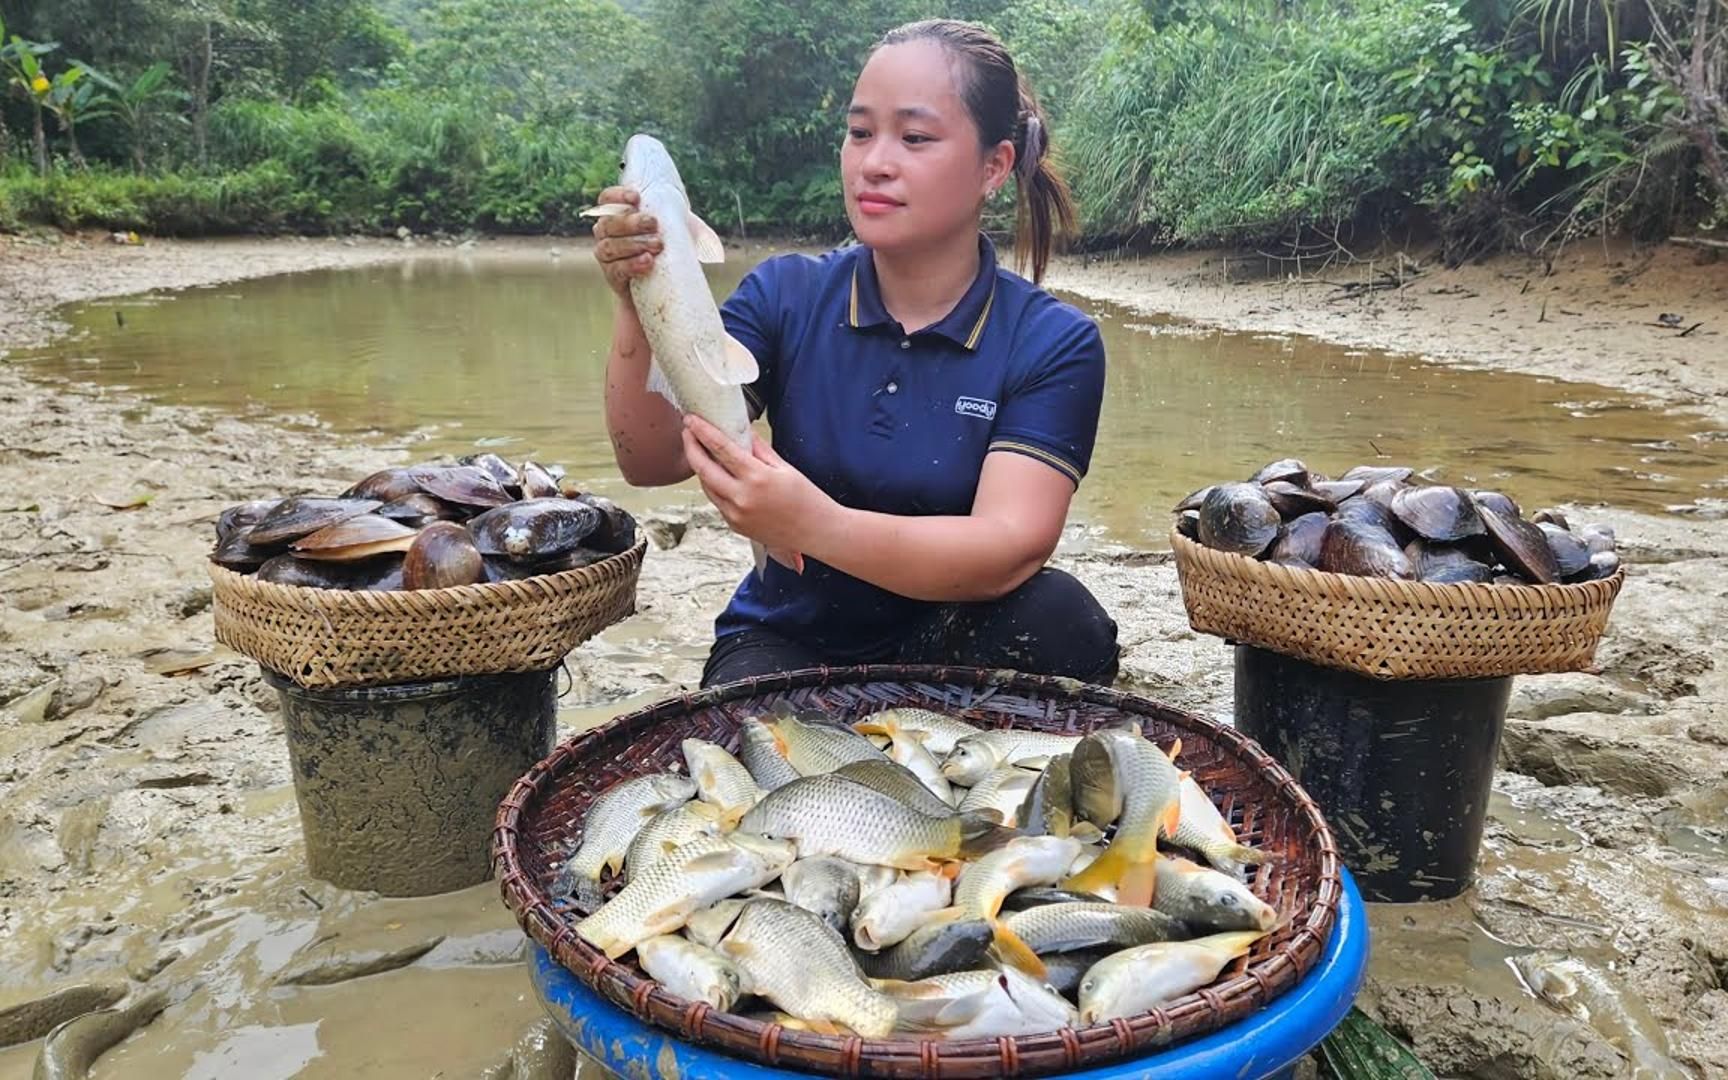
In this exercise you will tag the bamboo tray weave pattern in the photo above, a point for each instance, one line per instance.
(540, 822)
(1387, 629)
(335, 637)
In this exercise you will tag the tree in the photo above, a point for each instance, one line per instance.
(72, 97)
(24, 72)
(134, 104)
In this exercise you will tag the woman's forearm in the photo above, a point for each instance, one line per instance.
(645, 427)
(943, 559)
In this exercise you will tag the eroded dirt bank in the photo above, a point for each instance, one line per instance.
(149, 841)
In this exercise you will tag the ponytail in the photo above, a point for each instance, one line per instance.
(1043, 205)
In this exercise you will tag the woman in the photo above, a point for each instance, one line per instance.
(932, 414)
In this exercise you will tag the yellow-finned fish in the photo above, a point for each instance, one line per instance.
(896, 781)
(721, 779)
(759, 749)
(1001, 792)
(697, 365)
(793, 959)
(1146, 976)
(617, 815)
(831, 815)
(1204, 829)
(1204, 897)
(694, 876)
(1151, 795)
(825, 886)
(906, 747)
(816, 748)
(708, 926)
(690, 970)
(978, 1005)
(1022, 862)
(940, 732)
(667, 831)
(890, 915)
(976, 756)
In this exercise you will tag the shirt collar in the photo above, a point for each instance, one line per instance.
(964, 325)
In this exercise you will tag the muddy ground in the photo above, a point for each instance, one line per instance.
(149, 846)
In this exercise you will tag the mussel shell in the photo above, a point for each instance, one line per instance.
(442, 556)
(1363, 550)
(616, 532)
(503, 568)
(1193, 499)
(1188, 524)
(1377, 474)
(237, 552)
(537, 483)
(1444, 564)
(495, 467)
(1502, 503)
(1289, 470)
(1550, 517)
(1292, 501)
(1522, 547)
(1444, 514)
(535, 529)
(385, 485)
(1603, 564)
(1598, 538)
(242, 516)
(357, 538)
(303, 515)
(1337, 490)
(1299, 541)
(1368, 512)
(383, 573)
(464, 485)
(1571, 554)
(1238, 518)
(420, 509)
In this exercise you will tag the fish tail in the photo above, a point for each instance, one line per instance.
(979, 835)
(1236, 858)
(1133, 879)
(885, 725)
(1012, 949)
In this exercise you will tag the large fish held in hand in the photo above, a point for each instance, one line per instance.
(697, 366)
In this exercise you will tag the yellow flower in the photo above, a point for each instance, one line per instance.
(39, 84)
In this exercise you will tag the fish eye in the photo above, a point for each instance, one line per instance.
(1089, 984)
(1229, 900)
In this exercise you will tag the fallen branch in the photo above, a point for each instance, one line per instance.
(1699, 242)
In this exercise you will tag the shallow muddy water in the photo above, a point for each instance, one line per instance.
(505, 352)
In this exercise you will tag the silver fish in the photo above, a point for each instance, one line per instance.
(830, 815)
(816, 748)
(1147, 976)
(1204, 829)
(614, 819)
(1001, 791)
(897, 781)
(976, 755)
(940, 732)
(1022, 862)
(1206, 898)
(691, 971)
(708, 926)
(979, 1005)
(1150, 788)
(893, 914)
(825, 886)
(760, 751)
(938, 948)
(1053, 928)
(721, 779)
(667, 831)
(796, 961)
(906, 747)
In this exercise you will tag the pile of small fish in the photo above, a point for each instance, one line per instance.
(912, 875)
(425, 526)
(1377, 521)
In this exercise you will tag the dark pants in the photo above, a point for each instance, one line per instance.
(1051, 625)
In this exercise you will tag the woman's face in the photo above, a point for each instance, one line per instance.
(911, 165)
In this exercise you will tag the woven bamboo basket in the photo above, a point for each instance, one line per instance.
(336, 637)
(1388, 629)
(540, 822)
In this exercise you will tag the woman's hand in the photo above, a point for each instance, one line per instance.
(761, 496)
(625, 243)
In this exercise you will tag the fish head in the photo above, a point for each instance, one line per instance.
(1229, 904)
(1104, 987)
(1039, 1003)
(670, 787)
(775, 854)
(648, 164)
(1093, 786)
(970, 761)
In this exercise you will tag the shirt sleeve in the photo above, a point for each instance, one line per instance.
(1053, 415)
(751, 315)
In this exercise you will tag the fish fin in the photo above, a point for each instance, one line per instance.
(731, 364)
(759, 557)
(979, 835)
(791, 560)
(1175, 748)
(1139, 882)
(1015, 952)
(737, 950)
(1103, 872)
(1238, 857)
(1040, 762)
(711, 811)
(607, 210)
(823, 1027)
(658, 384)
(944, 916)
(871, 726)
(1085, 832)
(1171, 819)
(714, 860)
(709, 249)
(613, 863)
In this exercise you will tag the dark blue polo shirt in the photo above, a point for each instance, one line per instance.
(897, 423)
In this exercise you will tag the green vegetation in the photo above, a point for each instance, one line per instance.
(1506, 123)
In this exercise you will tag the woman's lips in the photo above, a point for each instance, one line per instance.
(876, 204)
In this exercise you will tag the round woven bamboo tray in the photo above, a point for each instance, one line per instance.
(540, 821)
(337, 637)
(1389, 629)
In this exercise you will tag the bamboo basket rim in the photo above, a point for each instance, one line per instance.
(1196, 1013)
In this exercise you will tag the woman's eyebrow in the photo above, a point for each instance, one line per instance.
(905, 112)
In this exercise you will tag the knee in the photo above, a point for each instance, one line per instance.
(1079, 635)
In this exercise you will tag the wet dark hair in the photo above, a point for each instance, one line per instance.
(1002, 106)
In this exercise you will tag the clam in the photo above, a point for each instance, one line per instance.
(380, 574)
(1598, 538)
(1445, 564)
(1288, 470)
(1351, 548)
(616, 532)
(303, 515)
(1238, 518)
(464, 485)
(1603, 564)
(1299, 542)
(1502, 503)
(442, 555)
(357, 538)
(1376, 474)
(1193, 500)
(385, 485)
(1367, 512)
(1188, 524)
(1437, 513)
(1550, 517)
(1521, 546)
(242, 516)
(1337, 490)
(534, 529)
(1571, 554)
(501, 568)
(420, 509)
(495, 467)
(1292, 501)
(537, 483)
(238, 553)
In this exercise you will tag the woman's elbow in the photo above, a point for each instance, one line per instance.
(1014, 575)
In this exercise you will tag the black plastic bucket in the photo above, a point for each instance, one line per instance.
(1402, 769)
(398, 785)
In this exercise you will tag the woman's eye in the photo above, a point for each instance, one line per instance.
(857, 133)
(914, 137)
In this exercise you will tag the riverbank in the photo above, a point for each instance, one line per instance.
(148, 835)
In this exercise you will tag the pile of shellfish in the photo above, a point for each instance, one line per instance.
(426, 526)
(1378, 521)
